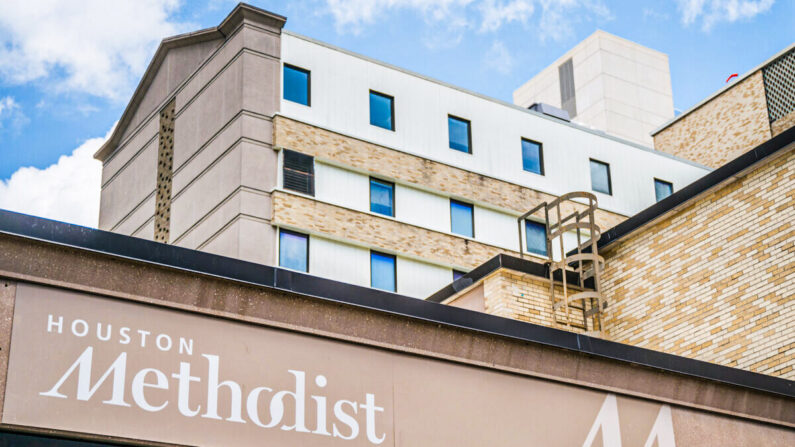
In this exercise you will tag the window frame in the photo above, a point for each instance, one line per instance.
(472, 217)
(469, 133)
(308, 84)
(394, 269)
(294, 233)
(527, 246)
(460, 273)
(540, 155)
(391, 106)
(383, 182)
(609, 177)
(670, 184)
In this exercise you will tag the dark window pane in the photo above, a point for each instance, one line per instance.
(461, 218)
(662, 189)
(531, 157)
(293, 250)
(600, 177)
(458, 130)
(382, 197)
(536, 237)
(382, 271)
(296, 85)
(382, 111)
(457, 274)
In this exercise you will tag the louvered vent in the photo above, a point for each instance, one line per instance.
(779, 79)
(568, 100)
(299, 172)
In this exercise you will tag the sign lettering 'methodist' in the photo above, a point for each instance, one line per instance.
(263, 406)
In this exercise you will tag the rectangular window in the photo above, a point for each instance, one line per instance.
(382, 110)
(457, 274)
(460, 134)
(532, 157)
(382, 197)
(296, 84)
(600, 177)
(293, 250)
(536, 237)
(298, 173)
(662, 189)
(462, 219)
(383, 273)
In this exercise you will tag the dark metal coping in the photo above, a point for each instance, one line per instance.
(508, 262)
(127, 247)
(728, 170)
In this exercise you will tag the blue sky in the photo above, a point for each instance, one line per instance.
(66, 74)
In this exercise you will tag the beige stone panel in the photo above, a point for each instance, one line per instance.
(714, 281)
(147, 231)
(359, 154)
(133, 221)
(783, 123)
(129, 150)
(120, 196)
(300, 212)
(722, 129)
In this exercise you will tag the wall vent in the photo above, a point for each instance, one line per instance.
(779, 78)
(298, 172)
(568, 100)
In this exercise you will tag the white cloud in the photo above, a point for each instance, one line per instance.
(711, 12)
(447, 20)
(67, 190)
(499, 58)
(97, 47)
(11, 115)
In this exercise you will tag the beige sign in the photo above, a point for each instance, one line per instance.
(90, 364)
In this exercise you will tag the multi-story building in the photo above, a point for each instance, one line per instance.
(748, 111)
(607, 83)
(252, 142)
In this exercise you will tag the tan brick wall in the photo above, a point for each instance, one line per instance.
(359, 154)
(723, 128)
(783, 123)
(524, 297)
(388, 234)
(716, 280)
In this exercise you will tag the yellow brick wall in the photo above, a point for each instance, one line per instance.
(359, 154)
(716, 280)
(524, 297)
(723, 128)
(299, 212)
(783, 123)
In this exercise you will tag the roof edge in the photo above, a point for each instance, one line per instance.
(734, 168)
(240, 13)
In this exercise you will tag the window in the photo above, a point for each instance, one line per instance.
(382, 197)
(457, 274)
(383, 274)
(536, 237)
(460, 134)
(296, 84)
(662, 189)
(298, 173)
(293, 250)
(382, 110)
(532, 157)
(600, 177)
(462, 218)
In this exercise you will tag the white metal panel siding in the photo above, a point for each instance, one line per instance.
(342, 187)
(340, 87)
(422, 208)
(496, 228)
(339, 261)
(419, 280)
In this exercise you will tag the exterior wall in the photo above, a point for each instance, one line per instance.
(524, 297)
(722, 128)
(716, 280)
(369, 158)
(782, 124)
(621, 87)
(340, 86)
